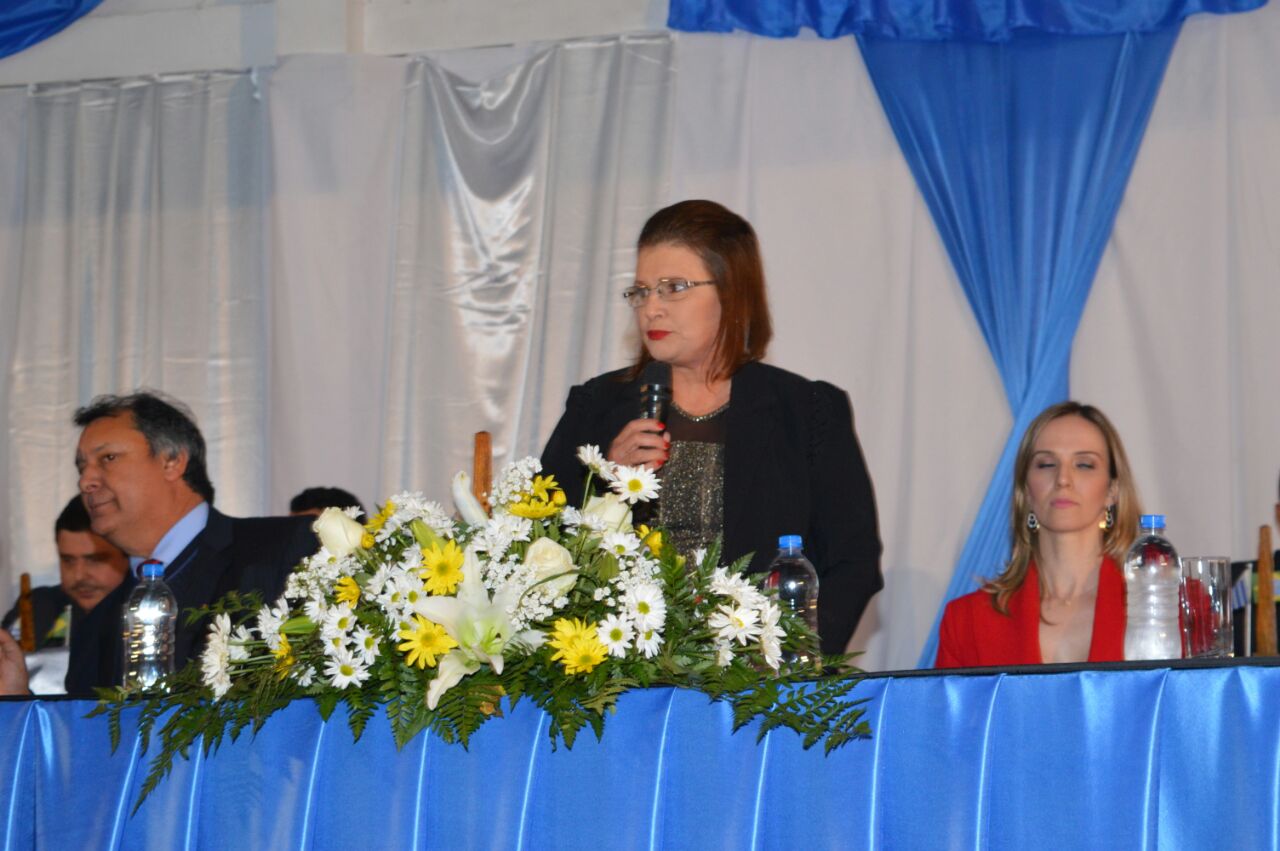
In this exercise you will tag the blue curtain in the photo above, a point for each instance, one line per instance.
(940, 20)
(1022, 150)
(27, 22)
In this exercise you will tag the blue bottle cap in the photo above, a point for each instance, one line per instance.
(152, 570)
(1151, 521)
(790, 542)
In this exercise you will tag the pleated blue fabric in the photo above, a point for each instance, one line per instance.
(1159, 758)
(27, 22)
(940, 20)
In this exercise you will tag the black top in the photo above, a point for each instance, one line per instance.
(792, 466)
(230, 554)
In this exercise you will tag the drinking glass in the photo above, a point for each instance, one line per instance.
(1206, 607)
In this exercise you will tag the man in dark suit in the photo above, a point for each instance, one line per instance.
(143, 480)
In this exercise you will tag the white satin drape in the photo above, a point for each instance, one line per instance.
(353, 264)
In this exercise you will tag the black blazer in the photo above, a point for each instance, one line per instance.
(792, 466)
(231, 554)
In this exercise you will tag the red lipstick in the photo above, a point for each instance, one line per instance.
(657, 335)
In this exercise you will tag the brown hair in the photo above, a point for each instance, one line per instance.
(727, 245)
(1115, 541)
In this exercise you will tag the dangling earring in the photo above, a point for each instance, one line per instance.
(1032, 523)
(1108, 520)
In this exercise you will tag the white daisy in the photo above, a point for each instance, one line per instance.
(615, 633)
(338, 620)
(344, 669)
(620, 543)
(771, 647)
(724, 654)
(649, 642)
(378, 581)
(647, 606)
(733, 585)
(215, 660)
(304, 675)
(735, 623)
(366, 645)
(270, 619)
(635, 484)
(593, 459)
(237, 649)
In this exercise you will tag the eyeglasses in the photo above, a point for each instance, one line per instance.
(668, 289)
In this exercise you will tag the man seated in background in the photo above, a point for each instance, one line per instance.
(312, 501)
(144, 482)
(90, 567)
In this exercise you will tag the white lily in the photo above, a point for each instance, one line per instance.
(479, 623)
(465, 501)
(453, 667)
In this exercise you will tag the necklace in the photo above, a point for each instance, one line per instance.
(699, 418)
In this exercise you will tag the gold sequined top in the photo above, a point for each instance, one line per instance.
(691, 507)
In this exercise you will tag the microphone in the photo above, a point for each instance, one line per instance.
(655, 391)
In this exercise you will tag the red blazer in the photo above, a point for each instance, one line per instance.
(974, 634)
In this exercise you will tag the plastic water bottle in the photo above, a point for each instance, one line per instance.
(1152, 576)
(797, 584)
(150, 620)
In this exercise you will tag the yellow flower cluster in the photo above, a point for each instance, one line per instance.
(424, 642)
(651, 538)
(577, 646)
(441, 569)
(284, 658)
(544, 499)
(346, 590)
(375, 523)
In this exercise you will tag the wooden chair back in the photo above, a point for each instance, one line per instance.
(26, 615)
(1265, 625)
(482, 468)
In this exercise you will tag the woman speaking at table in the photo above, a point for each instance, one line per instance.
(1075, 513)
(745, 450)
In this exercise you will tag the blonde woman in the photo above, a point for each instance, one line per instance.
(1061, 597)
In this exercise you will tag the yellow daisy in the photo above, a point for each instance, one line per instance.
(284, 658)
(425, 641)
(347, 591)
(441, 569)
(542, 486)
(544, 499)
(651, 538)
(565, 630)
(581, 655)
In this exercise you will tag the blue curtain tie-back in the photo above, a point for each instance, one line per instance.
(940, 20)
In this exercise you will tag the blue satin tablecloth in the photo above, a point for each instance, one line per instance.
(1160, 758)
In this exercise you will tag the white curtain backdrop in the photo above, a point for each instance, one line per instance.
(350, 265)
(138, 258)
(449, 253)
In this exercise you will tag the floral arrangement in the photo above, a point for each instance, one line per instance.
(442, 620)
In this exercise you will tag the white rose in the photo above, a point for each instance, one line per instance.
(338, 533)
(548, 559)
(612, 511)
